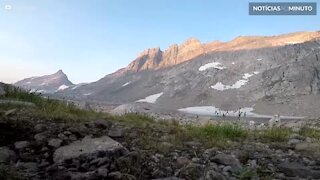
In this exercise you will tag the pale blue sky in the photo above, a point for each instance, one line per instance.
(91, 38)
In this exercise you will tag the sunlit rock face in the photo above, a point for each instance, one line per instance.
(154, 58)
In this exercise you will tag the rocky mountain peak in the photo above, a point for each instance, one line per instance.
(47, 83)
(60, 72)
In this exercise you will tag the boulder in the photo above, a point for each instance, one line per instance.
(55, 143)
(295, 169)
(40, 137)
(21, 145)
(115, 132)
(225, 159)
(214, 175)
(103, 124)
(87, 146)
(6, 155)
(191, 171)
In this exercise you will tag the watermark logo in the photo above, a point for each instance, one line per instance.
(283, 8)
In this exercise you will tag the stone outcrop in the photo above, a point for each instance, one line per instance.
(88, 147)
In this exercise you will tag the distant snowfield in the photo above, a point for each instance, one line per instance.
(126, 84)
(259, 59)
(245, 78)
(62, 87)
(215, 65)
(211, 111)
(76, 86)
(87, 94)
(292, 42)
(43, 84)
(28, 82)
(38, 91)
(151, 99)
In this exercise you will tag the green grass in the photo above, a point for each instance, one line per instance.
(310, 132)
(51, 108)
(275, 134)
(212, 131)
(211, 134)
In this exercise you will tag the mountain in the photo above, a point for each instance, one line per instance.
(154, 58)
(46, 84)
(267, 74)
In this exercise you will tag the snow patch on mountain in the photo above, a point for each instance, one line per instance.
(62, 87)
(87, 94)
(151, 99)
(215, 65)
(126, 84)
(292, 42)
(37, 91)
(259, 59)
(245, 78)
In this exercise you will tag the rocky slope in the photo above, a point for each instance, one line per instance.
(46, 84)
(33, 147)
(277, 74)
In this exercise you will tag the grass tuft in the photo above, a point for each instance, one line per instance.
(275, 134)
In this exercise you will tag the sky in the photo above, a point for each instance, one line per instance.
(89, 39)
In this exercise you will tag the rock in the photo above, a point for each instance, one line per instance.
(103, 124)
(21, 145)
(191, 171)
(55, 143)
(209, 153)
(225, 159)
(28, 166)
(182, 161)
(115, 132)
(213, 175)
(196, 160)
(115, 175)
(293, 142)
(87, 146)
(296, 136)
(40, 128)
(305, 146)
(227, 169)
(40, 137)
(102, 172)
(192, 144)
(296, 169)
(6, 155)
(11, 111)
